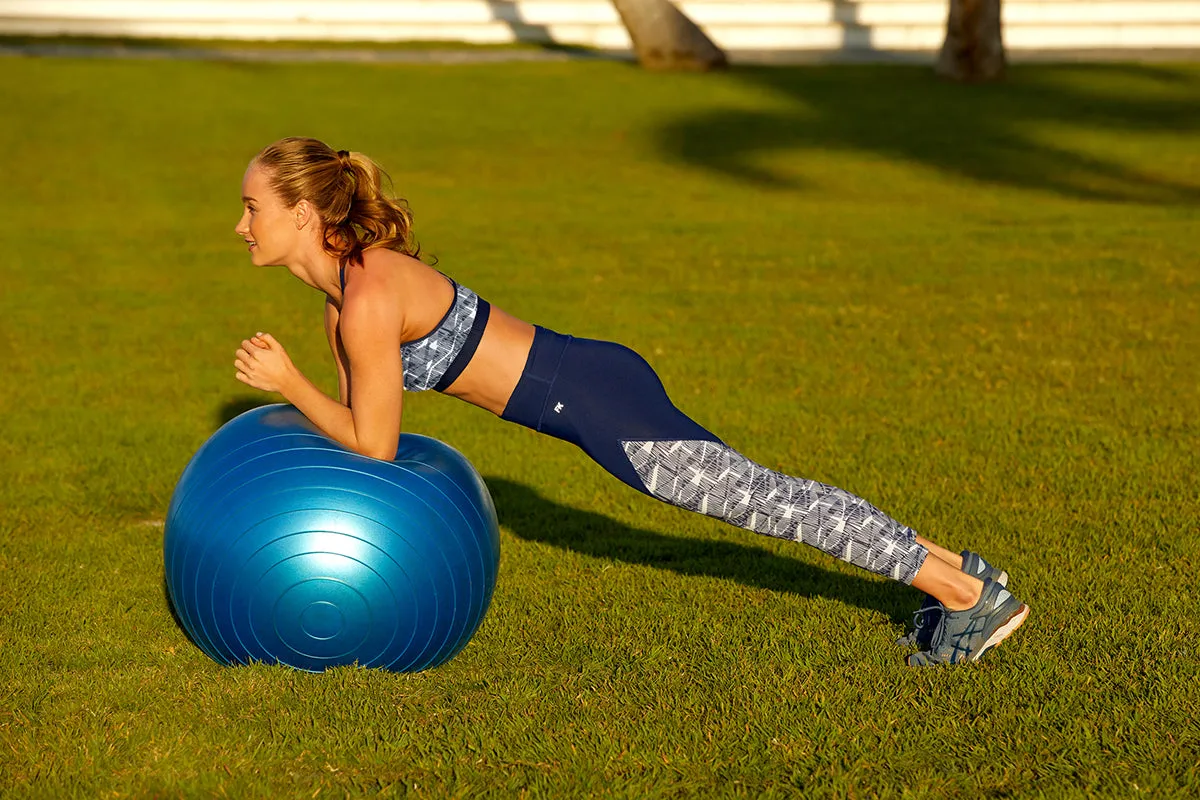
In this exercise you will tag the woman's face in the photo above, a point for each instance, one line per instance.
(268, 227)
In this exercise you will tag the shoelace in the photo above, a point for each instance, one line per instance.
(923, 621)
(922, 612)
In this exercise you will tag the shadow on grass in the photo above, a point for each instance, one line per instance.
(534, 518)
(238, 406)
(1024, 132)
(166, 590)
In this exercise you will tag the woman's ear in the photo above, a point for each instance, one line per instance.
(304, 213)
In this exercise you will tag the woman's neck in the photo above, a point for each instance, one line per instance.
(321, 271)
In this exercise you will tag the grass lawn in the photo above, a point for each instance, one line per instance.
(978, 307)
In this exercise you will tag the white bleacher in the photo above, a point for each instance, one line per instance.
(782, 25)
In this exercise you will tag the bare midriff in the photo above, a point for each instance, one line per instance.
(491, 376)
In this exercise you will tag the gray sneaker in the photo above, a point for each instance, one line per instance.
(966, 635)
(975, 566)
(930, 613)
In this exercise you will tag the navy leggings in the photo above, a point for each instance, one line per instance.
(604, 398)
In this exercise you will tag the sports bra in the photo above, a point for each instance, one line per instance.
(437, 359)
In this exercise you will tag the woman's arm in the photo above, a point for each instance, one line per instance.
(370, 332)
(339, 352)
(370, 377)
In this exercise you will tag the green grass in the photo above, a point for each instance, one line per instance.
(976, 306)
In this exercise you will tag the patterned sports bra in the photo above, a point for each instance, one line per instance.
(437, 359)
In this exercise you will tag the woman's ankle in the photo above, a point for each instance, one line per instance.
(953, 559)
(953, 588)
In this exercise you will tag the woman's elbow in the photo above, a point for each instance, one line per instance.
(383, 452)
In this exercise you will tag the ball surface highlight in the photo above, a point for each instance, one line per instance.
(281, 546)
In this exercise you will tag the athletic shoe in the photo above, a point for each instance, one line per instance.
(930, 613)
(966, 635)
(974, 565)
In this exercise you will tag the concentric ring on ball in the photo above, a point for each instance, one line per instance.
(283, 547)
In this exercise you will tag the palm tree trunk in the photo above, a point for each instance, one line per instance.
(974, 48)
(664, 38)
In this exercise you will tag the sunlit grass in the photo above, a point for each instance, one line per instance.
(976, 307)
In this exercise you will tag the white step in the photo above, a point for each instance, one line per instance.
(883, 25)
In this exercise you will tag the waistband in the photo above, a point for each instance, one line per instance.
(527, 405)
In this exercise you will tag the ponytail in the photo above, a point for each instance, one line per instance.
(347, 190)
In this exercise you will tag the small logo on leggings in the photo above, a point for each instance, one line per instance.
(558, 408)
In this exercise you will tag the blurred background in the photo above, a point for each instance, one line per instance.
(773, 30)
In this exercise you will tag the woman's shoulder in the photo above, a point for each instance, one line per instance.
(399, 285)
(391, 265)
(381, 271)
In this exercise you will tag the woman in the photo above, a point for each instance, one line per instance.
(395, 324)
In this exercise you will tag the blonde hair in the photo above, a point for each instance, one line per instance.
(347, 190)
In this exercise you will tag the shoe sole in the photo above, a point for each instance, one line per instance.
(1002, 578)
(1003, 632)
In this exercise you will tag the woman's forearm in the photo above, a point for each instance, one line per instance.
(334, 419)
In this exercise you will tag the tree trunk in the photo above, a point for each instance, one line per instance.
(974, 48)
(664, 38)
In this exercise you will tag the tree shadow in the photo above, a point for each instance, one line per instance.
(1021, 132)
(855, 35)
(525, 32)
(534, 518)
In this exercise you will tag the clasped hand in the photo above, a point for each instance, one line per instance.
(262, 362)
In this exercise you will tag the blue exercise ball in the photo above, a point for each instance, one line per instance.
(281, 546)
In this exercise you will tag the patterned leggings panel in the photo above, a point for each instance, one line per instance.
(712, 478)
(606, 399)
